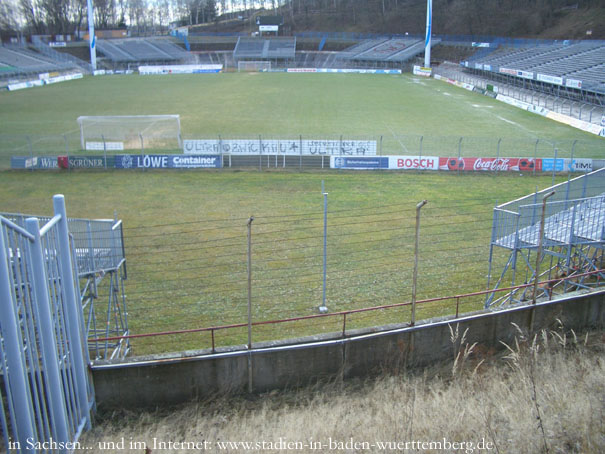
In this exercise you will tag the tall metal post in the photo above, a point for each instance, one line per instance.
(31, 149)
(323, 307)
(498, 154)
(17, 381)
(250, 281)
(459, 153)
(104, 152)
(260, 153)
(48, 343)
(554, 166)
(250, 303)
(66, 147)
(429, 26)
(300, 143)
(142, 151)
(539, 254)
(415, 277)
(536, 155)
(77, 344)
(91, 36)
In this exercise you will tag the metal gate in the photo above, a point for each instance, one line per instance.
(47, 395)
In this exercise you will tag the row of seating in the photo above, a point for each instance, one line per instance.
(20, 59)
(395, 50)
(135, 50)
(581, 62)
(265, 48)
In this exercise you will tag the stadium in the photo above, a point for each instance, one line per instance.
(223, 212)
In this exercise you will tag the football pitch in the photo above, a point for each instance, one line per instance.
(407, 114)
(185, 232)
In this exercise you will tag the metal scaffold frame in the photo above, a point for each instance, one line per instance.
(98, 252)
(552, 235)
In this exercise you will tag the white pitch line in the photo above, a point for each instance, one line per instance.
(514, 123)
(397, 138)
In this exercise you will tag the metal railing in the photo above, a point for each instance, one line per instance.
(98, 243)
(588, 185)
(515, 222)
(455, 306)
(49, 395)
(556, 100)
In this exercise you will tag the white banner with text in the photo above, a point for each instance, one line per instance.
(289, 147)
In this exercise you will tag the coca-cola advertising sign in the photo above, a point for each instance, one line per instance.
(491, 164)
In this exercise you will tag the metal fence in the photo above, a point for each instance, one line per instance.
(98, 257)
(564, 223)
(574, 108)
(194, 283)
(41, 151)
(48, 393)
(581, 187)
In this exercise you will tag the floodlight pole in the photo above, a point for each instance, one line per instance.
(429, 26)
(92, 40)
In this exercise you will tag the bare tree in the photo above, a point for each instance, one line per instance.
(32, 15)
(9, 21)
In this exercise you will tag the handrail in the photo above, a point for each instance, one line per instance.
(50, 224)
(15, 227)
(507, 211)
(343, 314)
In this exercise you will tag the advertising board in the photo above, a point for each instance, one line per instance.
(573, 83)
(490, 164)
(179, 69)
(414, 162)
(422, 71)
(386, 162)
(360, 163)
(550, 79)
(567, 165)
(130, 161)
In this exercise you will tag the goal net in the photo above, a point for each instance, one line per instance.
(130, 132)
(251, 66)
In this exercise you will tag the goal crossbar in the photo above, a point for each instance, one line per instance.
(128, 128)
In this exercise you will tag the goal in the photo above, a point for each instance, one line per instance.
(252, 66)
(123, 132)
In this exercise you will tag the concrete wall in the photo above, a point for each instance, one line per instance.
(167, 380)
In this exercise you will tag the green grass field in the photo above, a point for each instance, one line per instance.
(185, 235)
(185, 232)
(398, 109)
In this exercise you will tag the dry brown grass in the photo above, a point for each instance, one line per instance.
(545, 393)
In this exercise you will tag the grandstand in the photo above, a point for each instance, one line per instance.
(259, 48)
(141, 50)
(19, 60)
(572, 65)
(316, 59)
(385, 49)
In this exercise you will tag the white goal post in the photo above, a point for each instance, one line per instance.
(130, 131)
(251, 66)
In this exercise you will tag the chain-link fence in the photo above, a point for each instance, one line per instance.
(291, 151)
(574, 108)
